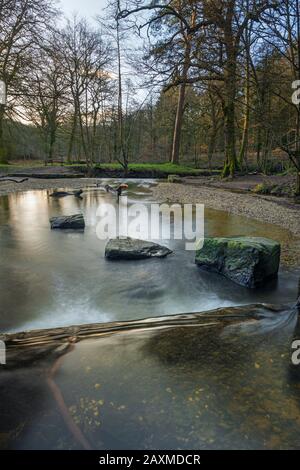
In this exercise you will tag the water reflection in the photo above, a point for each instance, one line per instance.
(51, 278)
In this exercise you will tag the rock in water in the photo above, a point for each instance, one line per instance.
(131, 249)
(174, 179)
(247, 261)
(60, 194)
(72, 222)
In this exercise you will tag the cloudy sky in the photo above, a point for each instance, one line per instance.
(87, 8)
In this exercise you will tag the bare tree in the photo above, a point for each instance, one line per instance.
(44, 93)
(22, 24)
(85, 56)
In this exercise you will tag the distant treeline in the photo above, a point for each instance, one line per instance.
(218, 78)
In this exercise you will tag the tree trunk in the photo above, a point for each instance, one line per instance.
(297, 192)
(3, 154)
(230, 164)
(258, 148)
(52, 143)
(175, 155)
(244, 143)
(211, 148)
(214, 132)
(72, 137)
(84, 145)
(123, 157)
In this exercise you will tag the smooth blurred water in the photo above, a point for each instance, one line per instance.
(205, 383)
(57, 278)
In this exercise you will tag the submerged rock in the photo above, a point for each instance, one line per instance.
(131, 248)
(247, 261)
(73, 222)
(59, 194)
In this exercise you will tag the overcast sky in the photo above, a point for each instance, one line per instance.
(87, 8)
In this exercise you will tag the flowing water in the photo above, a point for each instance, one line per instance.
(53, 278)
(215, 381)
(200, 384)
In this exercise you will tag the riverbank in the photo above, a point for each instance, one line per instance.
(281, 212)
(8, 187)
(268, 209)
(105, 170)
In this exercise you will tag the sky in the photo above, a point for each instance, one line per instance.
(87, 8)
(90, 9)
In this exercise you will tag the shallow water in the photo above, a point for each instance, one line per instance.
(216, 381)
(198, 385)
(55, 278)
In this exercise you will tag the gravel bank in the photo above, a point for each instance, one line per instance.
(265, 209)
(7, 187)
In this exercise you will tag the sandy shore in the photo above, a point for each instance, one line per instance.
(267, 209)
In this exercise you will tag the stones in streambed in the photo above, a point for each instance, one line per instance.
(174, 179)
(134, 249)
(68, 222)
(247, 261)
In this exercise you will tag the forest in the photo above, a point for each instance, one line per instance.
(149, 230)
(211, 84)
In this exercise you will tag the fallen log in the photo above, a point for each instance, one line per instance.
(57, 336)
(4, 178)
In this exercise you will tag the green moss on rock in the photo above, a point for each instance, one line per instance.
(247, 261)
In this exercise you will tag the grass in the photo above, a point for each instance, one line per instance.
(162, 168)
(20, 164)
(165, 168)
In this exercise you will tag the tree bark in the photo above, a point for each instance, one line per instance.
(244, 143)
(52, 143)
(230, 164)
(175, 154)
(3, 156)
(72, 136)
(230, 78)
(123, 157)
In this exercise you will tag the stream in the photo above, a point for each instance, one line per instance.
(54, 278)
(217, 380)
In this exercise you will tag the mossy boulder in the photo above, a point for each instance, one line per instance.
(247, 261)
